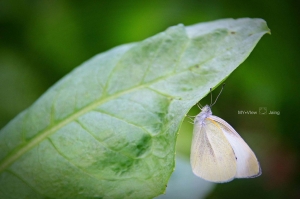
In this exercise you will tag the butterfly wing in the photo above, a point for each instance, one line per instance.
(212, 157)
(247, 163)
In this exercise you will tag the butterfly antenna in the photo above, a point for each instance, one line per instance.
(210, 97)
(218, 95)
(199, 105)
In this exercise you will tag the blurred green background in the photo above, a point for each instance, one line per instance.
(41, 41)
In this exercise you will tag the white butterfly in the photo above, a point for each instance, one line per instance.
(218, 152)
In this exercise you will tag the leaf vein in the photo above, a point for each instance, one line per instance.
(152, 60)
(112, 72)
(69, 161)
(130, 123)
(181, 54)
(99, 141)
(24, 181)
(159, 92)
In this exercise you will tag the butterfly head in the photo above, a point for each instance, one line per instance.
(205, 112)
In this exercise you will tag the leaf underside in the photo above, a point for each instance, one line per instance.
(108, 129)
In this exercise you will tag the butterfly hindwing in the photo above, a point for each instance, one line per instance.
(247, 163)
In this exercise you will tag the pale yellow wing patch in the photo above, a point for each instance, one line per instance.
(212, 157)
(247, 163)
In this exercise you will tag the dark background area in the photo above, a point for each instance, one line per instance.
(41, 41)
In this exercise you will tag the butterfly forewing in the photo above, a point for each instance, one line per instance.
(247, 164)
(212, 157)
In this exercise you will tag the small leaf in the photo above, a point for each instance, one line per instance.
(108, 129)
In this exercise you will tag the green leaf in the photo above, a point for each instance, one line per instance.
(108, 129)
